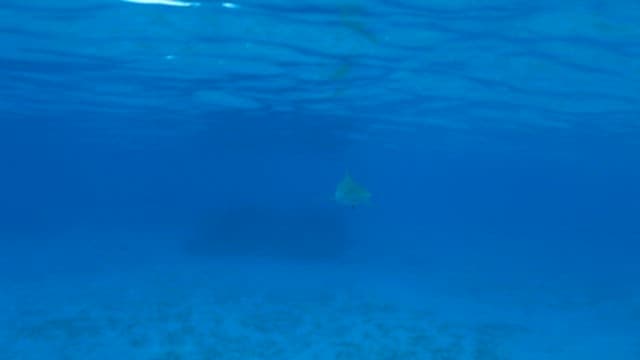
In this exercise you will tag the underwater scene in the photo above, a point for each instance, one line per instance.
(319, 179)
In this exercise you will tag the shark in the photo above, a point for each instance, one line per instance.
(350, 193)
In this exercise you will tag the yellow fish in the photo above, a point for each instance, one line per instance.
(351, 193)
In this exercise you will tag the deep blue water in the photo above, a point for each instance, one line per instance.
(500, 141)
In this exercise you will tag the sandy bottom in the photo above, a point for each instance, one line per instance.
(260, 310)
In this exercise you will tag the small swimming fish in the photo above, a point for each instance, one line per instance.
(351, 193)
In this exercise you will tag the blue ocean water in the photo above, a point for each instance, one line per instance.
(169, 171)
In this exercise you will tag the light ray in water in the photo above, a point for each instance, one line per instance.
(229, 5)
(164, 2)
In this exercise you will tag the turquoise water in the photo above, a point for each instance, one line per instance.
(169, 173)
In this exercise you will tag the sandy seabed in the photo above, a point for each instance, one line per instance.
(261, 310)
